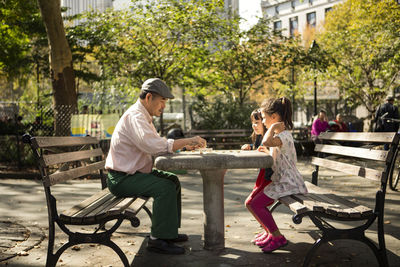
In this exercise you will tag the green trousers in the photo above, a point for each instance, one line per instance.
(163, 187)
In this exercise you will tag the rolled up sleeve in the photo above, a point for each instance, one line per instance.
(146, 137)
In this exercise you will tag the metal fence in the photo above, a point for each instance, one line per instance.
(16, 119)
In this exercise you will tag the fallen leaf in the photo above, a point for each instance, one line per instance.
(23, 253)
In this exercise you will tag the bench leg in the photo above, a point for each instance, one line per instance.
(118, 250)
(379, 254)
(276, 204)
(311, 252)
(148, 211)
(103, 238)
(357, 234)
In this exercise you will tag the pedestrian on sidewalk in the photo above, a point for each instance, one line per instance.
(285, 177)
(130, 165)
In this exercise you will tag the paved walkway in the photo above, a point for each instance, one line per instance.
(23, 211)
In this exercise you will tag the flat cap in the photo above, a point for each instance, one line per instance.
(157, 86)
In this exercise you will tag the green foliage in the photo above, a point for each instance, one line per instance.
(222, 113)
(20, 28)
(191, 44)
(366, 49)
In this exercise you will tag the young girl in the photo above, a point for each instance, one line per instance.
(285, 178)
(258, 130)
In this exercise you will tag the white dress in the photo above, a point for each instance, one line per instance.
(286, 179)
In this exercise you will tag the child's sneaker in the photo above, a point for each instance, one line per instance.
(274, 244)
(263, 242)
(259, 237)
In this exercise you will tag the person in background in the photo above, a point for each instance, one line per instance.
(340, 125)
(285, 177)
(383, 115)
(319, 126)
(389, 111)
(130, 165)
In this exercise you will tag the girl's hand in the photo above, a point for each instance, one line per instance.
(263, 149)
(246, 147)
(278, 127)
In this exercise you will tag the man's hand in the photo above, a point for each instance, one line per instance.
(197, 142)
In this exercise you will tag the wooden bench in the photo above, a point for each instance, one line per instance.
(344, 152)
(64, 158)
(223, 138)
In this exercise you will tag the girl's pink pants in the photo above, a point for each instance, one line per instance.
(257, 203)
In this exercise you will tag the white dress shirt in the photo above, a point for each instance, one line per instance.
(134, 141)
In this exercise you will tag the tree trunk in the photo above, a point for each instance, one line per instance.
(62, 73)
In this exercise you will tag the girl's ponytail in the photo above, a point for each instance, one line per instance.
(282, 106)
(287, 113)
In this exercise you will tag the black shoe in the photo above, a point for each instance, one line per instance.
(180, 238)
(164, 247)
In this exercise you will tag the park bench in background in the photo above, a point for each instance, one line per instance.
(223, 138)
(347, 155)
(64, 158)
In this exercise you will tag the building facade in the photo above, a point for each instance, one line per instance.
(75, 7)
(295, 16)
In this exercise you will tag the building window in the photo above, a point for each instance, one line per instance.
(311, 2)
(294, 26)
(293, 4)
(277, 25)
(311, 20)
(330, 9)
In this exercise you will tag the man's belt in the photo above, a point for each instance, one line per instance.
(117, 172)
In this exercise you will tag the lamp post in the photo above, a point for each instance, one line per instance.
(313, 50)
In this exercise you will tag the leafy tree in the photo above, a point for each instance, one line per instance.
(21, 44)
(366, 49)
(62, 73)
(241, 61)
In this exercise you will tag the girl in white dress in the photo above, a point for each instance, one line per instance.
(285, 177)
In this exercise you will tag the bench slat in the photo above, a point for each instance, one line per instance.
(293, 204)
(309, 202)
(363, 210)
(43, 142)
(380, 137)
(348, 168)
(53, 159)
(332, 207)
(81, 216)
(357, 152)
(86, 202)
(134, 204)
(62, 176)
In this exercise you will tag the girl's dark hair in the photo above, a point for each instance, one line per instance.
(282, 106)
(255, 116)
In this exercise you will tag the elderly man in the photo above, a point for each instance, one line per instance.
(130, 165)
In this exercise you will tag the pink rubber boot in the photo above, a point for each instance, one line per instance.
(274, 243)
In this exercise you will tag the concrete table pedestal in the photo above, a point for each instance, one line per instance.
(213, 166)
(213, 202)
